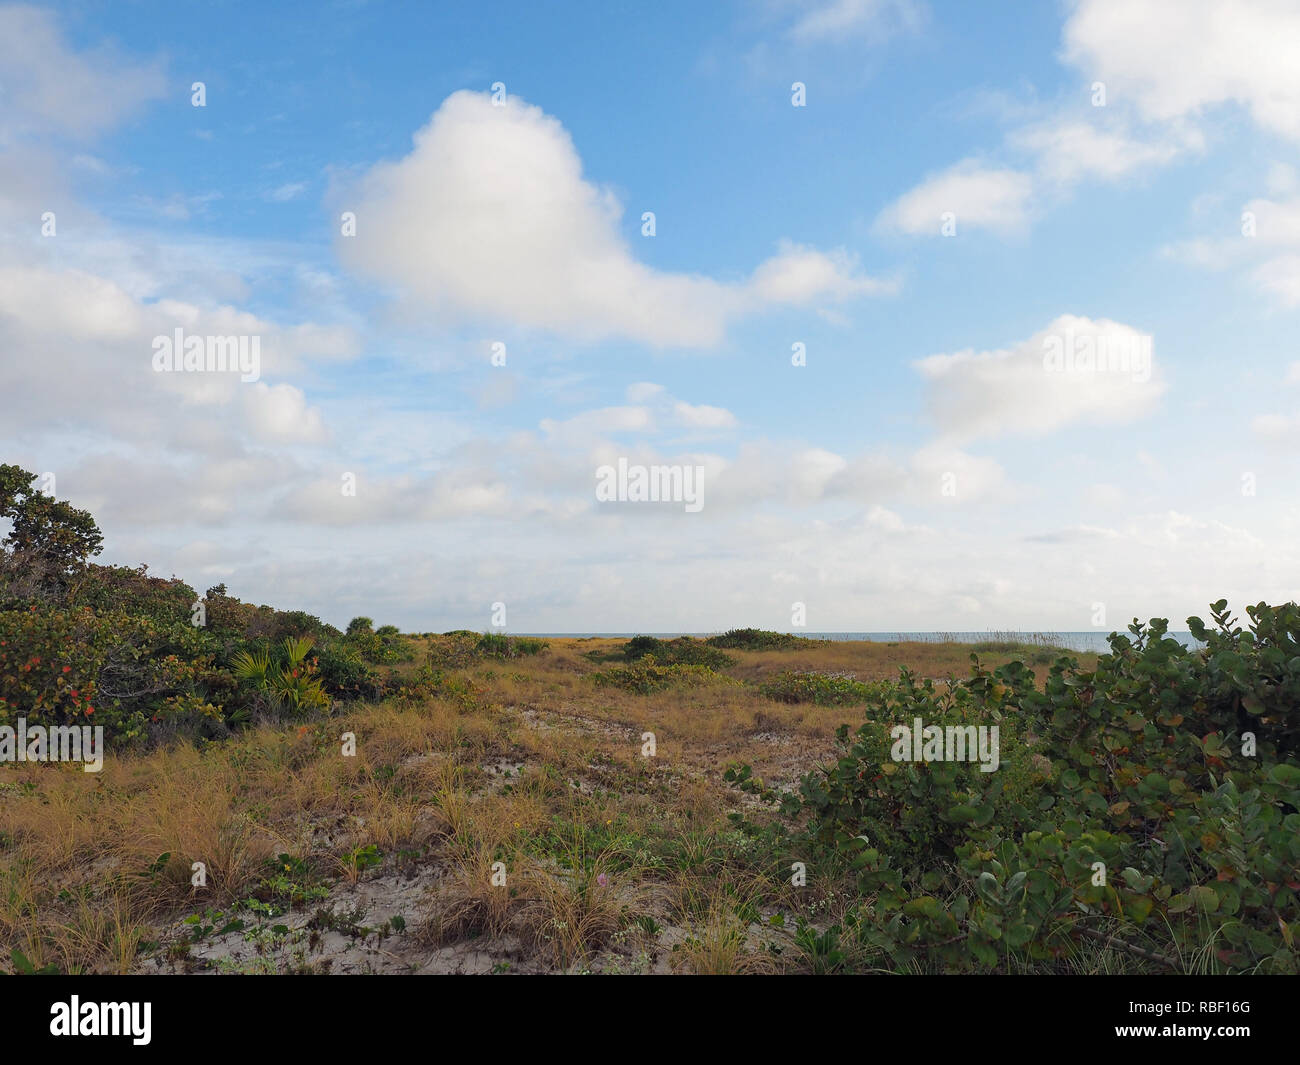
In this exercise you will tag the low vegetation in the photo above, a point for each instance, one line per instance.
(282, 796)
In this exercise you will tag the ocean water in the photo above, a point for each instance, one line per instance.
(1093, 640)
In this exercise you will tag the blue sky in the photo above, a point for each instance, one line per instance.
(923, 470)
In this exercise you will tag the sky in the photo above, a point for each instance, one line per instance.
(958, 317)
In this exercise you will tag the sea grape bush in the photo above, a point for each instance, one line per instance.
(122, 670)
(1152, 803)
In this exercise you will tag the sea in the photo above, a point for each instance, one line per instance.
(1093, 640)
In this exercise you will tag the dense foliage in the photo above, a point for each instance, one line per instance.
(682, 651)
(143, 655)
(1152, 803)
(755, 640)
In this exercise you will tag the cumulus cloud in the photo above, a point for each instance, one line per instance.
(1178, 61)
(1076, 370)
(490, 217)
(280, 413)
(75, 338)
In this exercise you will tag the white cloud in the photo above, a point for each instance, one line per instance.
(1280, 277)
(978, 196)
(280, 413)
(799, 276)
(285, 193)
(1176, 61)
(1069, 150)
(643, 391)
(836, 20)
(47, 87)
(945, 474)
(1271, 250)
(80, 337)
(1105, 373)
(490, 217)
(704, 416)
(1276, 223)
(596, 423)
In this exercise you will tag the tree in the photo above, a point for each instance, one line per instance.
(56, 532)
(358, 626)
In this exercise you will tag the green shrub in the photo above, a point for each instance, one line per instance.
(682, 651)
(824, 689)
(499, 645)
(639, 646)
(116, 670)
(646, 676)
(429, 683)
(384, 646)
(756, 640)
(121, 589)
(284, 676)
(344, 675)
(1152, 802)
(455, 650)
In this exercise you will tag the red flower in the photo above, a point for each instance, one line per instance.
(67, 669)
(89, 710)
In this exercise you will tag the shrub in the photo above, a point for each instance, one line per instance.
(429, 683)
(120, 671)
(344, 675)
(499, 645)
(682, 651)
(1155, 797)
(824, 689)
(360, 625)
(286, 678)
(640, 646)
(454, 650)
(646, 676)
(121, 589)
(755, 640)
(384, 646)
